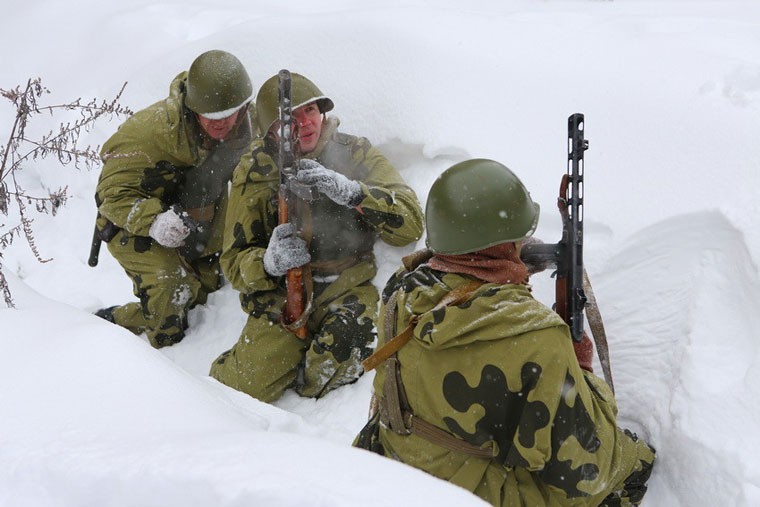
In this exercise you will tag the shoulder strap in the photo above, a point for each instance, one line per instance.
(395, 412)
(390, 347)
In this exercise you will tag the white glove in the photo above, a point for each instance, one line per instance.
(285, 251)
(168, 229)
(334, 185)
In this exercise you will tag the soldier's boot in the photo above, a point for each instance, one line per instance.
(162, 330)
(107, 314)
(128, 316)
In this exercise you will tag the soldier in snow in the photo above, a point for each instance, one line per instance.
(359, 197)
(489, 392)
(162, 194)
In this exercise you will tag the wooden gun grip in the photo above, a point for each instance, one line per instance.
(295, 301)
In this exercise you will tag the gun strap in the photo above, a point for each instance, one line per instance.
(395, 411)
(390, 347)
(205, 183)
(597, 330)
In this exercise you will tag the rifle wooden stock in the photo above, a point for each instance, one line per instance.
(295, 299)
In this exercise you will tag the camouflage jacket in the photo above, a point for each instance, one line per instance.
(145, 163)
(499, 371)
(390, 209)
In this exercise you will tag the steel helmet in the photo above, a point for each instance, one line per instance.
(217, 85)
(302, 92)
(476, 204)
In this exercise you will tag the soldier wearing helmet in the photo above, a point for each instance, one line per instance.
(487, 392)
(162, 193)
(360, 197)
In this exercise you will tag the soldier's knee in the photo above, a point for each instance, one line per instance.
(343, 334)
(242, 377)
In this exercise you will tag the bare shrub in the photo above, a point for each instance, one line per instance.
(60, 143)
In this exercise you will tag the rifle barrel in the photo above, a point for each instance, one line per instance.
(576, 298)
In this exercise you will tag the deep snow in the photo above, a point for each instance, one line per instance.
(91, 415)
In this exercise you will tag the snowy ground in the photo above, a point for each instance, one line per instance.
(91, 415)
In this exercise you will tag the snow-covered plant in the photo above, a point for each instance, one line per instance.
(62, 143)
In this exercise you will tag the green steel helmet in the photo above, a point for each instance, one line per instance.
(217, 85)
(302, 92)
(476, 204)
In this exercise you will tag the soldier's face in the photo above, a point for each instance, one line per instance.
(218, 129)
(307, 126)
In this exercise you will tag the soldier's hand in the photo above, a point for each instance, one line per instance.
(334, 185)
(536, 266)
(168, 229)
(584, 351)
(285, 251)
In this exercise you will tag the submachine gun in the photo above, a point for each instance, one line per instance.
(293, 199)
(573, 292)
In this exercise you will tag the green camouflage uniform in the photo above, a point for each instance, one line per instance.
(158, 158)
(499, 372)
(267, 359)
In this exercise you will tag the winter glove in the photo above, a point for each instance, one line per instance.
(168, 229)
(285, 251)
(334, 185)
(534, 265)
(584, 351)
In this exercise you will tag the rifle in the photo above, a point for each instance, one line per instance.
(573, 292)
(98, 236)
(296, 309)
(92, 260)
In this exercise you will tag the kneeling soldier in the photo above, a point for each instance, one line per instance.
(488, 393)
(162, 194)
(360, 197)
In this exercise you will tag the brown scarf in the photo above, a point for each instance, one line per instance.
(497, 264)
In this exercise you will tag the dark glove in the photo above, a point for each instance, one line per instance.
(584, 351)
(334, 185)
(169, 229)
(285, 251)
